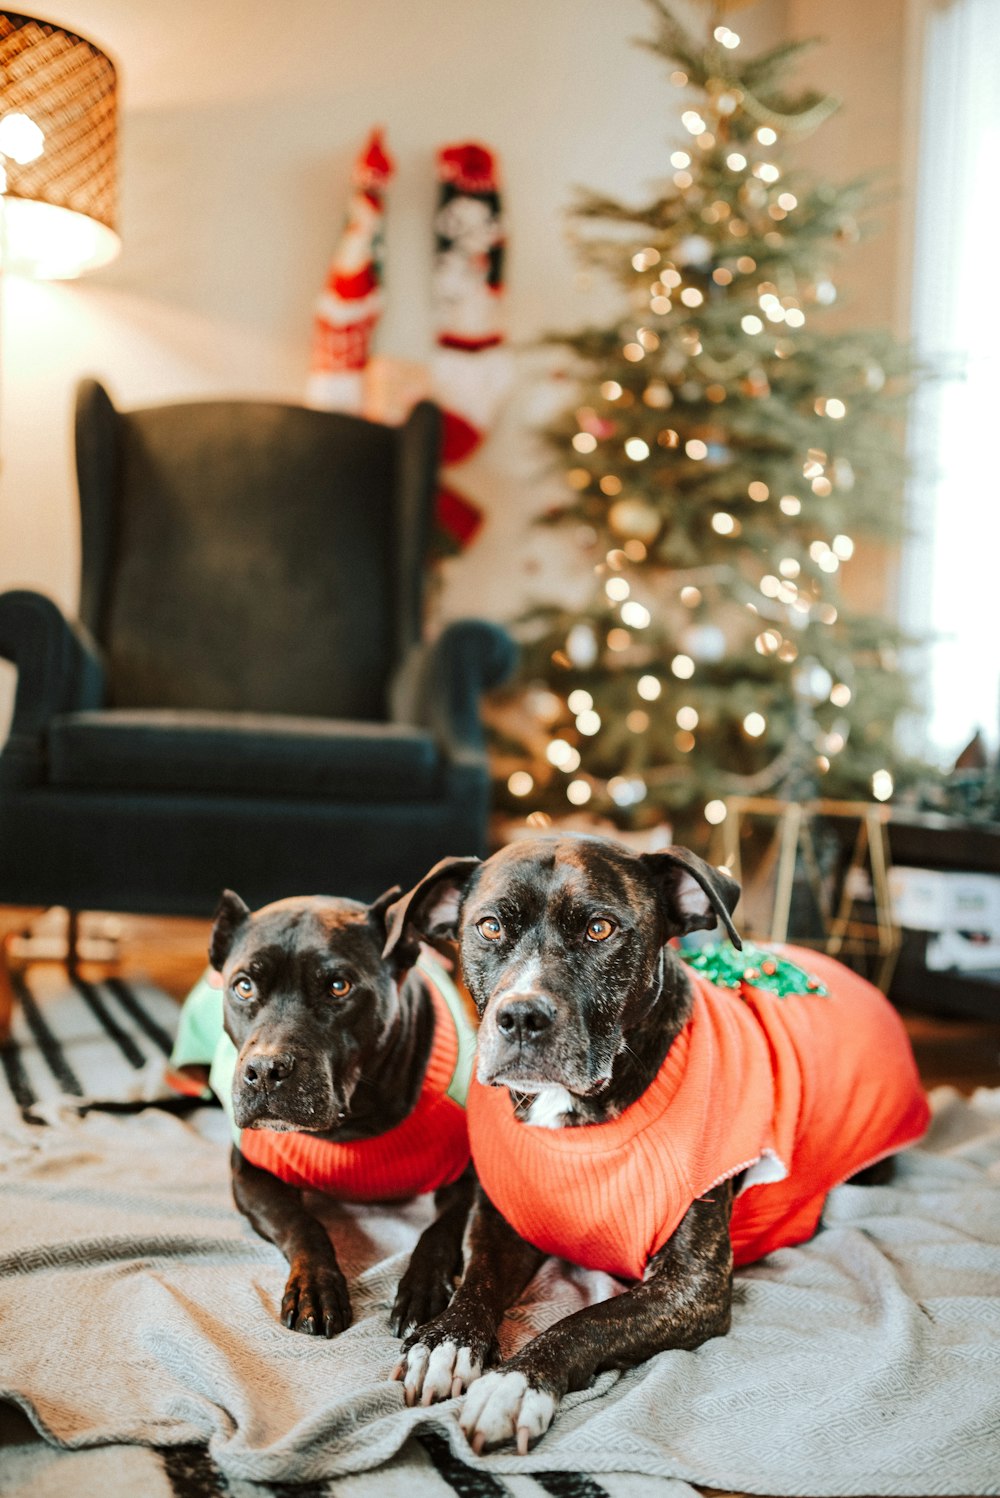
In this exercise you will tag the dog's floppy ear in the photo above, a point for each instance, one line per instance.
(378, 910)
(694, 893)
(430, 909)
(229, 917)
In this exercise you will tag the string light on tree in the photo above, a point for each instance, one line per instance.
(713, 654)
(562, 754)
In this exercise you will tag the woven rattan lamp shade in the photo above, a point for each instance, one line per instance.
(58, 131)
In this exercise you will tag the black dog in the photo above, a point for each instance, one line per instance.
(564, 945)
(332, 1041)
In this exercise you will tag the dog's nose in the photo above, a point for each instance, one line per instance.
(267, 1068)
(525, 1018)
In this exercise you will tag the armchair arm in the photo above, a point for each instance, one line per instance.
(58, 670)
(439, 685)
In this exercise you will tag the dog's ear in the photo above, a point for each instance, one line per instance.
(229, 917)
(694, 894)
(379, 909)
(430, 909)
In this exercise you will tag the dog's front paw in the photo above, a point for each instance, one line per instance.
(441, 1360)
(430, 1374)
(504, 1405)
(316, 1300)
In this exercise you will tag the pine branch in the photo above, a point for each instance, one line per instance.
(673, 42)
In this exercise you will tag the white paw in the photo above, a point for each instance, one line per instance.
(442, 1373)
(502, 1406)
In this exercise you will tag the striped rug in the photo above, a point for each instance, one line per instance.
(79, 1044)
(424, 1468)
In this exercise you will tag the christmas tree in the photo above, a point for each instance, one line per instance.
(721, 454)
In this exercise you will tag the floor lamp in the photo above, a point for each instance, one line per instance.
(58, 171)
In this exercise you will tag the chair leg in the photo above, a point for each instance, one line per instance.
(72, 941)
(14, 919)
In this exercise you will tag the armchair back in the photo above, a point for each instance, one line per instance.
(253, 556)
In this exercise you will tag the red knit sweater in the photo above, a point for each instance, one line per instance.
(817, 1086)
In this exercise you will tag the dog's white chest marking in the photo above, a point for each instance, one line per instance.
(548, 1108)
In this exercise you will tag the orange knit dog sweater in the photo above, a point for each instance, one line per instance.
(799, 1091)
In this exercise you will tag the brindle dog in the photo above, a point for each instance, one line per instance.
(564, 944)
(332, 1039)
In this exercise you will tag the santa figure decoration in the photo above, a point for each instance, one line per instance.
(470, 368)
(350, 303)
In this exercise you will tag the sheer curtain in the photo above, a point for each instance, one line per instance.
(951, 569)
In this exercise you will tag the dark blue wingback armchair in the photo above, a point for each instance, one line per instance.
(245, 699)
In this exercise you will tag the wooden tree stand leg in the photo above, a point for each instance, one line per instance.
(13, 919)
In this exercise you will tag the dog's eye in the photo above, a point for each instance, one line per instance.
(244, 988)
(489, 928)
(600, 928)
(340, 987)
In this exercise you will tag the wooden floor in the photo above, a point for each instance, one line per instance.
(964, 1053)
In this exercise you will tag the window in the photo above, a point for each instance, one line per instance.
(951, 569)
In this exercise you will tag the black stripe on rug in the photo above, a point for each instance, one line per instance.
(122, 1039)
(17, 1077)
(192, 1473)
(296, 1489)
(133, 1006)
(569, 1485)
(467, 1482)
(45, 1038)
(180, 1107)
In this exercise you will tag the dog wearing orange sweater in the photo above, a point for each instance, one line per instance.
(343, 1072)
(630, 1114)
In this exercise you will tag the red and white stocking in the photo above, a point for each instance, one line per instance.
(350, 303)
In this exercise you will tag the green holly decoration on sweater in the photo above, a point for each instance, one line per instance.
(759, 967)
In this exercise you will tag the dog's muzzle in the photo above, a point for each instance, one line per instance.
(524, 1038)
(274, 1089)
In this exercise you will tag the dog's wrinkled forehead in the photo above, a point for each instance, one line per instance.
(546, 877)
(308, 928)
